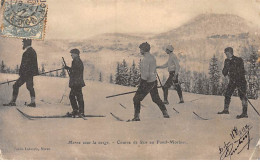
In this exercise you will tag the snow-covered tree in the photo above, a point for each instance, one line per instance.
(214, 75)
(2, 68)
(100, 79)
(43, 70)
(63, 73)
(135, 75)
(252, 67)
(111, 79)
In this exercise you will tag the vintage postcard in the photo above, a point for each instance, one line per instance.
(130, 79)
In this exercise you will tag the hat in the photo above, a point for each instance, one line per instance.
(169, 47)
(229, 49)
(145, 46)
(27, 41)
(75, 51)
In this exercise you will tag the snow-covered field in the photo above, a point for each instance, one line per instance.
(49, 138)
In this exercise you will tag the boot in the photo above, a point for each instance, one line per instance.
(181, 100)
(225, 111)
(10, 104)
(166, 102)
(165, 114)
(72, 114)
(244, 113)
(31, 105)
(136, 117)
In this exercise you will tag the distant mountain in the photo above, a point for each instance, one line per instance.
(207, 25)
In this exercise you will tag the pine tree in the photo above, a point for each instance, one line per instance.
(118, 75)
(136, 74)
(100, 77)
(111, 79)
(43, 70)
(130, 81)
(252, 68)
(214, 75)
(63, 73)
(206, 82)
(2, 67)
(124, 72)
(198, 84)
(17, 69)
(57, 74)
(187, 81)
(223, 86)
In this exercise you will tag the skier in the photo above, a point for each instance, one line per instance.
(234, 69)
(76, 83)
(28, 69)
(173, 68)
(148, 83)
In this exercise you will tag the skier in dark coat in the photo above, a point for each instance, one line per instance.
(148, 83)
(234, 69)
(28, 69)
(76, 83)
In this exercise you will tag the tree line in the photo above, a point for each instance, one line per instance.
(213, 83)
(6, 69)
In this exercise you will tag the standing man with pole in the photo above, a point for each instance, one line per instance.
(28, 69)
(173, 68)
(76, 83)
(234, 69)
(148, 83)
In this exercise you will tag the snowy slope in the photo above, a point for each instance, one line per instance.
(202, 138)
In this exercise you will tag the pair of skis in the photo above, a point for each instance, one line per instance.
(55, 116)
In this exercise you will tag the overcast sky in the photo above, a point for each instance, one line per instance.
(75, 19)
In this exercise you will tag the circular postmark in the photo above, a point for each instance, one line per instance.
(24, 14)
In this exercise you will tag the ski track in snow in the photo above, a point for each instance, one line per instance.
(202, 138)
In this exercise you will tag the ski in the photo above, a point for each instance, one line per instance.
(116, 117)
(122, 105)
(25, 115)
(176, 110)
(200, 116)
(55, 116)
(190, 101)
(83, 117)
(119, 119)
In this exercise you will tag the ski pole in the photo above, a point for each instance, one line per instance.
(159, 79)
(120, 94)
(34, 75)
(248, 101)
(65, 65)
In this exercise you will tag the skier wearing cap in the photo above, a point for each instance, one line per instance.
(234, 69)
(28, 69)
(148, 83)
(76, 83)
(173, 68)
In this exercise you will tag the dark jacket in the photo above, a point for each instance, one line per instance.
(29, 64)
(76, 73)
(234, 68)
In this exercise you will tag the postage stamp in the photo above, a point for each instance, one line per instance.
(24, 18)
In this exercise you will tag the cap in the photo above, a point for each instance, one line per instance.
(169, 47)
(229, 49)
(75, 51)
(27, 41)
(145, 46)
